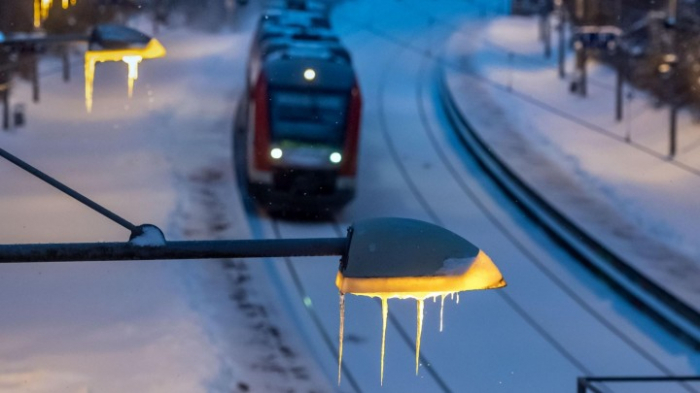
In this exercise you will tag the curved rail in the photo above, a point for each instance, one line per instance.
(588, 251)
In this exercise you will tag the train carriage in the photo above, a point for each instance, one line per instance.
(303, 132)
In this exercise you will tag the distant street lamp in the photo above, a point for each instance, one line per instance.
(118, 43)
(105, 43)
(667, 71)
(42, 7)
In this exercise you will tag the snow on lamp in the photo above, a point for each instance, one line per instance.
(118, 43)
(404, 258)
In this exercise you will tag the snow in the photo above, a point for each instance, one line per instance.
(150, 236)
(455, 266)
(629, 196)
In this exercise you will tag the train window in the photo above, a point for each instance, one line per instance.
(309, 117)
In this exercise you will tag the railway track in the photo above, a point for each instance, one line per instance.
(425, 98)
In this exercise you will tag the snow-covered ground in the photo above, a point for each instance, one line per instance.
(164, 158)
(628, 195)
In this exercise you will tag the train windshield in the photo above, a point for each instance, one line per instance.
(308, 116)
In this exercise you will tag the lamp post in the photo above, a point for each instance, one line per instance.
(621, 60)
(118, 43)
(667, 70)
(561, 12)
(5, 86)
(106, 42)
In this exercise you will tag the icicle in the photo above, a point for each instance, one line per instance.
(37, 13)
(340, 335)
(458, 298)
(133, 62)
(89, 79)
(442, 309)
(434, 298)
(419, 330)
(452, 296)
(45, 7)
(385, 312)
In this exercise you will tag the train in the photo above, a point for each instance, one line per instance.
(298, 122)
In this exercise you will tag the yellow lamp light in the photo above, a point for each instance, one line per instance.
(414, 260)
(130, 54)
(42, 8)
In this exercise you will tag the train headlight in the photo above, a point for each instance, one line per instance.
(309, 74)
(335, 157)
(276, 153)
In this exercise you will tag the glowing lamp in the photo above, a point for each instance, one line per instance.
(414, 259)
(42, 8)
(403, 258)
(118, 43)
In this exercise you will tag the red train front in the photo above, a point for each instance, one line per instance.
(303, 133)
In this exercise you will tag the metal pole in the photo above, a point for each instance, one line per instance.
(562, 43)
(35, 77)
(579, 10)
(672, 11)
(5, 93)
(511, 56)
(618, 88)
(66, 64)
(675, 378)
(672, 84)
(67, 190)
(628, 122)
(547, 36)
(581, 385)
(672, 129)
(51, 39)
(584, 73)
(215, 249)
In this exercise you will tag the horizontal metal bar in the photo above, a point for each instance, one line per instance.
(214, 249)
(644, 379)
(51, 39)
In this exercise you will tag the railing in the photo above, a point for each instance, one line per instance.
(586, 384)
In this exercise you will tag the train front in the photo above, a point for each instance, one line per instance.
(306, 119)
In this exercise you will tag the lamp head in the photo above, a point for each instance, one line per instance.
(411, 258)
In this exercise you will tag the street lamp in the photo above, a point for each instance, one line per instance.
(409, 259)
(106, 42)
(384, 257)
(666, 71)
(118, 43)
